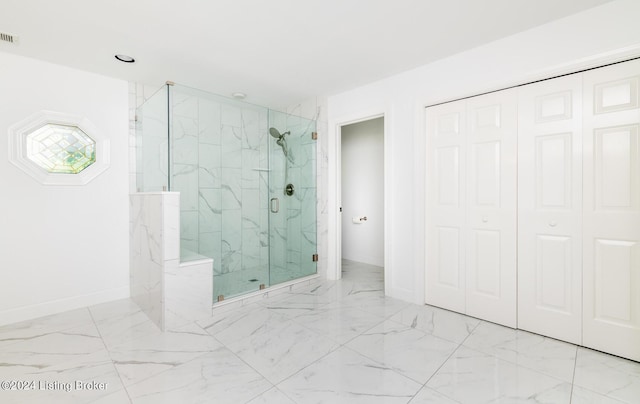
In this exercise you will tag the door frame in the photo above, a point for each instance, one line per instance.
(334, 269)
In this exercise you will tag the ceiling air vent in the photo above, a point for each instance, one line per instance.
(4, 37)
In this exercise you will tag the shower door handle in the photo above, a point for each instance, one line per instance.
(275, 205)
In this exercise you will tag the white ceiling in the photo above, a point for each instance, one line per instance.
(279, 52)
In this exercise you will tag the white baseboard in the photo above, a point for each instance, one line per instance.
(405, 295)
(364, 259)
(25, 313)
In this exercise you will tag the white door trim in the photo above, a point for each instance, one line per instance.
(334, 196)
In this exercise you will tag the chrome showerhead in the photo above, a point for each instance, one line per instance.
(276, 133)
(281, 141)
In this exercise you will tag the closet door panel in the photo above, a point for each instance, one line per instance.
(550, 208)
(446, 156)
(491, 207)
(612, 210)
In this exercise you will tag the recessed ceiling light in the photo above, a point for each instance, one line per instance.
(125, 58)
(239, 96)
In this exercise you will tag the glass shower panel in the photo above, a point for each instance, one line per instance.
(152, 148)
(292, 197)
(219, 163)
(247, 182)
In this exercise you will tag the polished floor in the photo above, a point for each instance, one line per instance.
(332, 342)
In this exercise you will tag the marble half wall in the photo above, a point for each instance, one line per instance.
(169, 293)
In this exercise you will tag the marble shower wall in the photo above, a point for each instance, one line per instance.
(154, 249)
(316, 109)
(293, 236)
(151, 135)
(220, 167)
(171, 293)
(146, 253)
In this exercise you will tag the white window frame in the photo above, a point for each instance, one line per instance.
(19, 131)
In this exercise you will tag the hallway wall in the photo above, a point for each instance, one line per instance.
(363, 191)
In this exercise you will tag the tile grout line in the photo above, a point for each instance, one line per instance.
(444, 362)
(339, 345)
(273, 385)
(249, 365)
(573, 377)
(95, 324)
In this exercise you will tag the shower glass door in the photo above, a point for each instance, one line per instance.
(247, 182)
(292, 197)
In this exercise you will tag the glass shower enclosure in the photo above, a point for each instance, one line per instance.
(247, 181)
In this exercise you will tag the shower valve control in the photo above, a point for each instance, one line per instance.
(289, 189)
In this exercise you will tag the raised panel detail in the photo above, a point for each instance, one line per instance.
(448, 245)
(553, 273)
(449, 124)
(553, 107)
(448, 175)
(616, 168)
(488, 117)
(553, 171)
(616, 95)
(486, 157)
(615, 280)
(487, 262)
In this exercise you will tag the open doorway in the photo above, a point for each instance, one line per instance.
(362, 200)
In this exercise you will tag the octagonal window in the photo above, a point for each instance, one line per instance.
(61, 149)
(57, 148)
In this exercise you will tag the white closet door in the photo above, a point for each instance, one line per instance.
(611, 257)
(445, 275)
(550, 208)
(491, 207)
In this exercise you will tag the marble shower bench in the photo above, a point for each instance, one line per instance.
(171, 293)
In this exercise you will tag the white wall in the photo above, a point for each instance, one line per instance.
(62, 247)
(606, 33)
(363, 191)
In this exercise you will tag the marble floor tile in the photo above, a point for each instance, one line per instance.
(580, 395)
(273, 396)
(236, 325)
(610, 375)
(218, 377)
(546, 355)
(410, 352)
(147, 356)
(292, 306)
(438, 322)
(357, 289)
(120, 321)
(429, 396)
(58, 383)
(324, 293)
(32, 328)
(345, 376)
(286, 349)
(358, 271)
(339, 324)
(120, 397)
(37, 354)
(277, 353)
(473, 377)
(383, 306)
